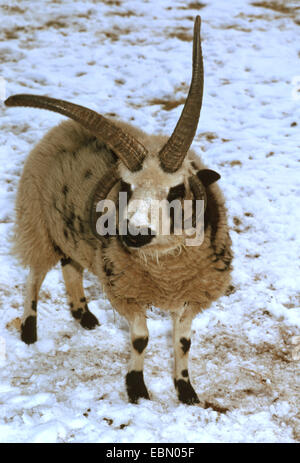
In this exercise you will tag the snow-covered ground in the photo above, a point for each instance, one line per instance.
(132, 58)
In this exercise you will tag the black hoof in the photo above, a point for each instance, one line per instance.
(77, 314)
(186, 392)
(136, 388)
(28, 330)
(88, 321)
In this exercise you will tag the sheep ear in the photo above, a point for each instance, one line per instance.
(207, 176)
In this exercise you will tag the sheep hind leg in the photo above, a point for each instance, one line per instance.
(72, 273)
(29, 325)
(182, 322)
(135, 385)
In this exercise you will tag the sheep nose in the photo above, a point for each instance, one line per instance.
(134, 240)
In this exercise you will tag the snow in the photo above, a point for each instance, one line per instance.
(130, 58)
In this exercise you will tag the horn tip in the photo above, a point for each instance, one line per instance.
(198, 21)
(13, 100)
(8, 101)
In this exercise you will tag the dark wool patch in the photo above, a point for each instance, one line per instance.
(135, 385)
(225, 257)
(28, 330)
(104, 244)
(185, 373)
(108, 268)
(57, 249)
(72, 215)
(186, 344)
(212, 215)
(65, 261)
(226, 267)
(176, 192)
(137, 168)
(33, 305)
(82, 299)
(71, 305)
(140, 344)
(81, 224)
(126, 188)
(88, 174)
(81, 227)
(65, 190)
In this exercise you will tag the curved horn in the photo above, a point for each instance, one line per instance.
(126, 147)
(173, 153)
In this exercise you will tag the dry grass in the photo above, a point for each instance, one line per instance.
(13, 9)
(112, 2)
(236, 27)
(192, 6)
(181, 33)
(275, 6)
(122, 14)
(167, 105)
(56, 24)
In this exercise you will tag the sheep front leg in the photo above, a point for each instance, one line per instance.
(72, 273)
(182, 322)
(135, 385)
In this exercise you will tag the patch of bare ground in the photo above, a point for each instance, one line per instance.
(238, 224)
(14, 32)
(267, 378)
(233, 163)
(12, 9)
(167, 105)
(114, 36)
(180, 33)
(276, 6)
(215, 406)
(285, 9)
(254, 17)
(209, 136)
(122, 14)
(11, 34)
(192, 6)
(112, 2)
(235, 27)
(55, 23)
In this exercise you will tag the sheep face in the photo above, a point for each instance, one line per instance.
(153, 209)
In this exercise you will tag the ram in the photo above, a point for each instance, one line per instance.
(90, 159)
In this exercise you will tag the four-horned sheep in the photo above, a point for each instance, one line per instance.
(91, 158)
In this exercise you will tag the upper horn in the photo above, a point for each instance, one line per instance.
(174, 151)
(126, 147)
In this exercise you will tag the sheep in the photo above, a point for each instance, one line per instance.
(90, 158)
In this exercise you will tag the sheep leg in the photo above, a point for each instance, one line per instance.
(182, 322)
(139, 339)
(28, 326)
(72, 273)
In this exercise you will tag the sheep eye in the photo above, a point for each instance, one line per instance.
(176, 192)
(126, 188)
